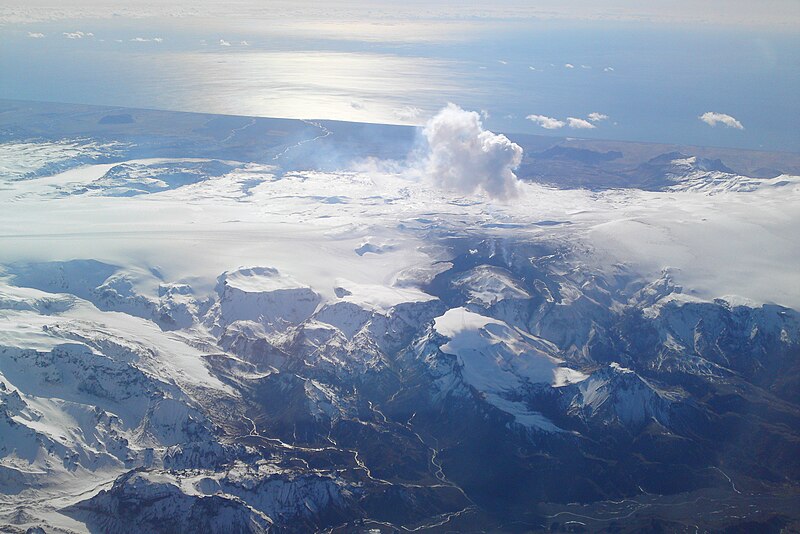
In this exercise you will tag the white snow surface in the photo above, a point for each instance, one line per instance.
(496, 356)
(264, 295)
(379, 298)
(22, 159)
(732, 243)
(499, 360)
(261, 280)
(489, 285)
(164, 354)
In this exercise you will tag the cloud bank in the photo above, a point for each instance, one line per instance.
(464, 157)
(712, 119)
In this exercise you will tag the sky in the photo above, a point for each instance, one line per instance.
(767, 13)
(701, 72)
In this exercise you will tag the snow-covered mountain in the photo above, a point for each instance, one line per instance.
(675, 171)
(210, 341)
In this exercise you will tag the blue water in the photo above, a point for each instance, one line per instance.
(663, 78)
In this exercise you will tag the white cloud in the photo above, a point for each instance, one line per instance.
(546, 122)
(608, 69)
(551, 123)
(244, 43)
(586, 66)
(569, 66)
(408, 113)
(146, 40)
(357, 105)
(502, 62)
(580, 124)
(532, 68)
(462, 156)
(78, 35)
(597, 117)
(35, 35)
(223, 42)
(712, 119)
(485, 114)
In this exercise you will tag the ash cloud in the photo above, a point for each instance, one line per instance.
(464, 157)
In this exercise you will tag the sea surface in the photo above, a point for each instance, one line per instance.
(652, 81)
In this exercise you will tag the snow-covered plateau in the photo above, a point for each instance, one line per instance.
(226, 324)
